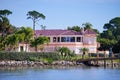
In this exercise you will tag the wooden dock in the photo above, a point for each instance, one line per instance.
(88, 61)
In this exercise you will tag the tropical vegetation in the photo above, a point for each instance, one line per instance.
(110, 37)
(35, 16)
(27, 56)
(11, 36)
(84, 51)
(65, 52)
(39, 42)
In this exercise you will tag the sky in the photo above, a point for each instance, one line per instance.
(62, 13)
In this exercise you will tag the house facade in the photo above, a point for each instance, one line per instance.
(66, 38)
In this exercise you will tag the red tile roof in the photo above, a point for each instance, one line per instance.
(89, 31)
(60, 32)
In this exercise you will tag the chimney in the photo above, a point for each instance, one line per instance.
(82, 30)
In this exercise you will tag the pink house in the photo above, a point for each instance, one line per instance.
(67, 38)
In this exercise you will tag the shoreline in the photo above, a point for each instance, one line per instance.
(37, 63)
(57, 64)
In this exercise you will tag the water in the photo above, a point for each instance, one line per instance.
(61, 74)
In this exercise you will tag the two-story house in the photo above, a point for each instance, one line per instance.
(67, 38)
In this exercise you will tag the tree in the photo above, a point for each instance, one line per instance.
(5, 13)
(12, 41)
(107, 34)
(5, 27)
(4, 22)
(116, 47)
(43, 27)
(84, 50)
(112, 29)
(87, 25)
(106, 44)
(75, 28)
(111, 34)
(2, 46)
(96, 31)
(27, 34)
(39, 41)
(35, 16)
(65, 52)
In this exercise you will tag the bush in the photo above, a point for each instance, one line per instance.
(29, 56)
(34, 59)
(47, 60)
(95, 54)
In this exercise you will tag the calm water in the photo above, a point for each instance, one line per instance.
(61, 74)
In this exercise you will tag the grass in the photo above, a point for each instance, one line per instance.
(44, 57)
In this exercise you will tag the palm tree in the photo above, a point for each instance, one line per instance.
(43, 27)
(35, 16)
(39, 41)
(27, 34)
(65, 52)
(12, 41)
(84, 50)
(75, 28)
(87, 25)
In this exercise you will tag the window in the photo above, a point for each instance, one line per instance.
(72, 39)
(54, 39)
(62, 39)
(67, 39)
(78, 39)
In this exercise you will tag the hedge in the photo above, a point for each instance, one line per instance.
(29, 56)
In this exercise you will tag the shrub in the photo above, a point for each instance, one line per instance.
(20, 56)
(34, 59)
(47, 60)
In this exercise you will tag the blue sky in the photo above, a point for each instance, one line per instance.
(63, 13)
